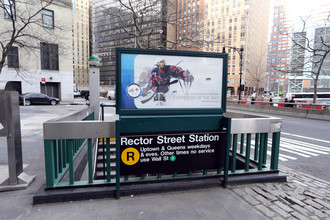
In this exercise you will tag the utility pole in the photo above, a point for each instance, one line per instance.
(240, 52)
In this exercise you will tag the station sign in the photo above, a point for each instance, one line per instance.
(167, 153)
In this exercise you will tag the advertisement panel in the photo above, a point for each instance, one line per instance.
(150, 80)
(167, 153)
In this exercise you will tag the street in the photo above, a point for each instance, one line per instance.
(308, 142)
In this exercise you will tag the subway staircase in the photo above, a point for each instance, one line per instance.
(101, 160)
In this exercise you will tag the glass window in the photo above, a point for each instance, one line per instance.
(9, 8)
(49, 56)
(12, 58)
(48, 18)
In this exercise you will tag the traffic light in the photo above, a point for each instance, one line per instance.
(241, 88)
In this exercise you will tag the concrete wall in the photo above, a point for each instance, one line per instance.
(286, 111)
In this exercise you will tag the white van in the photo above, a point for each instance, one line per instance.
(111, 95)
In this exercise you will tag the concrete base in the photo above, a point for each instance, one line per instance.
(23, 180)
(127, 189)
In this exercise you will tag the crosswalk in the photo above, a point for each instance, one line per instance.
(293, 147)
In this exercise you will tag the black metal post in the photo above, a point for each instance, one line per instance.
(241, 50)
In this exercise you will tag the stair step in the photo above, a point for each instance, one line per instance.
(101, 149)
(100, 165)
(100, 157)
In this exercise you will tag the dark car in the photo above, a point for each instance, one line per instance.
(84, 94)
(37, 98)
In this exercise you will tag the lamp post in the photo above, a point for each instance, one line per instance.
(94, 85)
(240, 52)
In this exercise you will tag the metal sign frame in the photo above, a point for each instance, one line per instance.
(179, 56)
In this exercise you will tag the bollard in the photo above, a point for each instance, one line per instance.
(10, 120)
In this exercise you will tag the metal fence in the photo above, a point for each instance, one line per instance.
(251, 143)
(283, 104)
(66, 138)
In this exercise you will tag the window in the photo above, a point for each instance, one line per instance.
(49, 56)
(12, 57)
(9, 7)
(48, 18)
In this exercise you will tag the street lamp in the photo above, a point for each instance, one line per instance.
(94, 60)
(240, 52)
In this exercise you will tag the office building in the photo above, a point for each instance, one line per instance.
(278, 61)
(80, 43)
(113, 26)
(236, 24)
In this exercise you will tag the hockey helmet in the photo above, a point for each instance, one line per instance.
(158, 61)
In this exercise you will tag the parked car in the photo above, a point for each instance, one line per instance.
(37, 98)
(111, 95)
(84, 94)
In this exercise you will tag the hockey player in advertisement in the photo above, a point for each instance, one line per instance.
(170, 81)
(160, 80)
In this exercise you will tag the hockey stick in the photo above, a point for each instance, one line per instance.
(148, 99)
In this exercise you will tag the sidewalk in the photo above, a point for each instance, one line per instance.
(301, 197)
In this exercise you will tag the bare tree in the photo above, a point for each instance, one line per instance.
(257, 69)
(143, 20)
(317, 47)
(22, 28)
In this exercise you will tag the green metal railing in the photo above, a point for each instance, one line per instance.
(60, 155)
(253, 153)
(250, 152)
(102, 105)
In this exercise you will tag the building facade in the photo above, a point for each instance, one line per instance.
(295, 35)
(322, 43)
(240, 28)
(80, 43)
(41, 59)
(278, 61)
(190, 25)
(113, 26)
(297, 62)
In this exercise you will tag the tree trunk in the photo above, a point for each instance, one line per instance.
(317, 76)
(315, 88)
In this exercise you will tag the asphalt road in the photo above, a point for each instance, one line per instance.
(305, 145)
(313, 138)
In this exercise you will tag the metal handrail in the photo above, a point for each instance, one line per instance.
(65, 139)
(102, 105)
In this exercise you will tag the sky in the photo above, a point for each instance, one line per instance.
(306, 7)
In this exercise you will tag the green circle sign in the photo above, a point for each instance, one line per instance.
(173, 158)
